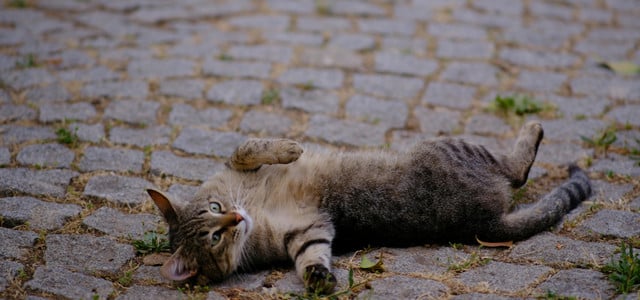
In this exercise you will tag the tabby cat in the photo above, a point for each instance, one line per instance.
(273, 203)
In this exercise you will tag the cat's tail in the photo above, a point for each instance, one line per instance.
(547, 212)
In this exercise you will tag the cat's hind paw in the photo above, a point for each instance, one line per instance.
(288, 151)
(319, 280)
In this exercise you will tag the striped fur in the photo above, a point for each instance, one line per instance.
(273, 203)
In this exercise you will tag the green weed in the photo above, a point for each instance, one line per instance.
(67, 137)
(550, 295)
(473, 261)
(225, 57)
(152, 242)
(18, 3)
(270, 96)
(349, 292)
(518, 104)
(29, 61)
(625, 272)
(601, 141)
(307, 86)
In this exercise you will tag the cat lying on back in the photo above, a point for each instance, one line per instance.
(273, 203)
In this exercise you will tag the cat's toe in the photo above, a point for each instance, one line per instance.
(319, 280)
(290, 151)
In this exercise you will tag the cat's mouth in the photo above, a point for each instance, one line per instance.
(247, 224)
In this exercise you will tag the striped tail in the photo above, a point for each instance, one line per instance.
(547, 212)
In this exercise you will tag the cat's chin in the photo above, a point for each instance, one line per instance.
(247, 225)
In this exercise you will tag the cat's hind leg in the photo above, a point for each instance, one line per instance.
(254, 153)
(518, 163)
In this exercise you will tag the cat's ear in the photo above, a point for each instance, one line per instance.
(164, 204)
(176, 267)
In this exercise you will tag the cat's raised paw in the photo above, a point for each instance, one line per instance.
(319, 280)
(288, 151)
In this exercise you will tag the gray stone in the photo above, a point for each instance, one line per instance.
(116, 89)
(279, 23)
(63, 283)
(271, 53)
(161, 68)
(507, 7)
(273, 124)
(294, 38)
(540, 59)
(617, 164)
(70, 59)
(356, 8)
(571, 130)
(387, 85)
(404, 64)
(457, 31)
(562, 153)
(115, 223)
(165, 162)
(580, 107)
(542, 9)
(351, 41)
(468, 49)
(183, 88)
(111, 159)
(238, 92)
(20, 79)
(118, 189)
(182, 191)
(473, 73)
(292, 6)
(331, 57)
(49, 93)
(548, 248)
(578, 283)
(449, 95)
(150, 274)
(236, 69)
(487, 124)
(86, 132)
(438, 121)
(5, 156)
(404, 45)
(313, 101)
(16, 243)
(345, 131)
(195, 50)
(403, 141)
(402, 287)
(245, 281)
(46, 155)
(140, 137)
(627, 114)
(608, 192)
(532, 36)
(150, 292)
(499, 276)
(199, 141)
(391, 114)
(323, 23)
(61, 112)
(12, 134)
(604, 50)
(541, 81)
(47, 182)
(615, 223)
(133, 111)
(635, 204)
(424, 260)
(11, 112)
(387, 26)
(8, 272)
(478, 296)
(322, 78)
(186, 115)
(289, 283)
(39, 214)
(99, 73)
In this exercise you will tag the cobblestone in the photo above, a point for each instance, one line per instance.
(10, 112)
(239, 92)
(271, 53)
(401, 287)
(579, 283)
(165, 162)
(183, 88)
(9, 270)
(468, 49)
(116, 89)
(391, 114)
(449, 94)
(17, 134)
(313, 101)
(46, 182)
(87, 132)
(98, 158)
(331, 57)
(133, 111)
(16, 243)
(472, 73)
(118, 189)
(499, 276)
(615, 223)
(140, 137)
(49, 93)
(325, 78)
(46, 155)
(199, 141)
(272, 124)
(61, 112)
(55, 280)
(155, 292)
(38, 214)
(237, 69)
(548, 248)
(345, 131)
(186, 115)
(438, 121)
(131, 226)
(404, 64)
(387, 85)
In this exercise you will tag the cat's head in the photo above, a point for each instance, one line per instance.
(207, 235)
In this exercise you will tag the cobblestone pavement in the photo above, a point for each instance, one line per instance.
(100, 99)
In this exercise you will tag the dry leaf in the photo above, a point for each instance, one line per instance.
(621, 67)
(368, 265)
(507, 244)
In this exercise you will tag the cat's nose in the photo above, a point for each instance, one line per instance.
(238, 217)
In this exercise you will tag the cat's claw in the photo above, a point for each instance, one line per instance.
(319, 280)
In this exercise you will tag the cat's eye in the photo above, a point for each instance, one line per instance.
(215, 207)
(215, 238)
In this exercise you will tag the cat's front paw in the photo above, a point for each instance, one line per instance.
(319, 280)
(288, 151)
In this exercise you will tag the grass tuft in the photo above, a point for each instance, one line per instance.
(625, 271)
(67, 137)
(518, 104)
(152, 242)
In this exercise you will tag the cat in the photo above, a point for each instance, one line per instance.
(273, 203)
